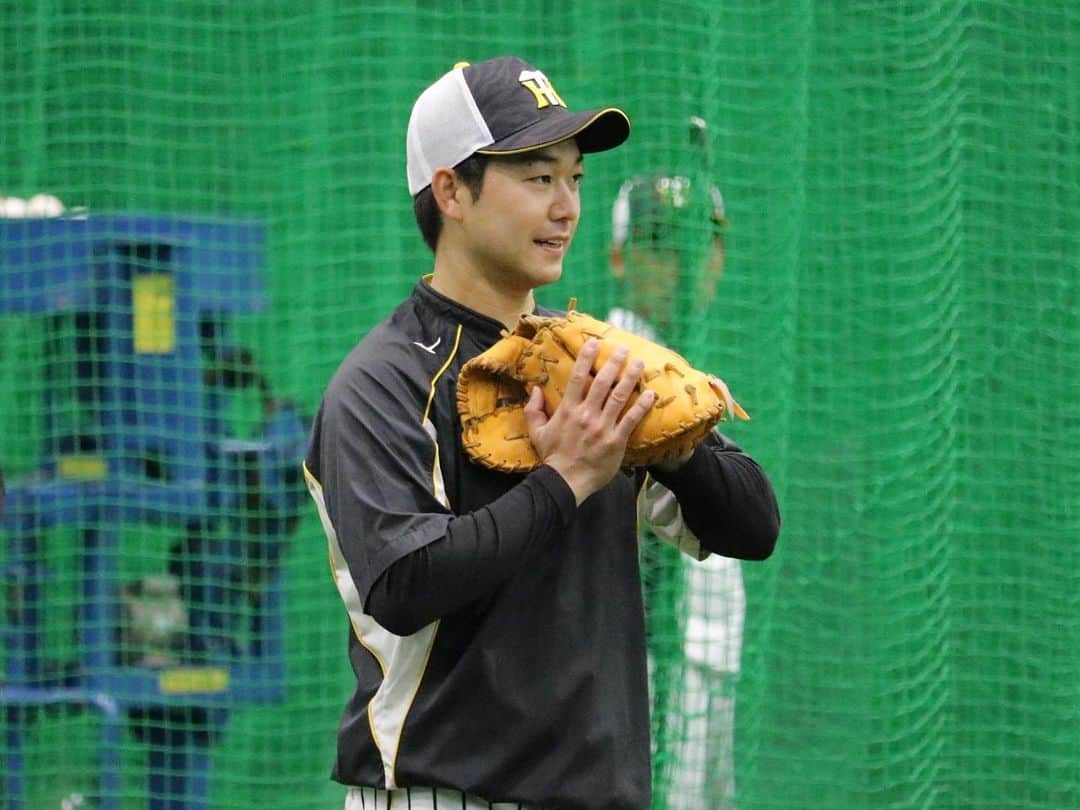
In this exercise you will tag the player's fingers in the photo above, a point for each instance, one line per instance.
(634, 414)
(581, 376)
(623, 389)
(607, 377)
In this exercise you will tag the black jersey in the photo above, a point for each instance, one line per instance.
(505, 656)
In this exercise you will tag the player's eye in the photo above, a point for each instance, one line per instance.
(541, 178)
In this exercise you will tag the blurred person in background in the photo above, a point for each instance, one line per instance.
(667, 255)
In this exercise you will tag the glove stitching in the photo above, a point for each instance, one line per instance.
(539, 346)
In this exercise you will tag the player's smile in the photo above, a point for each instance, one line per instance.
(554, 245)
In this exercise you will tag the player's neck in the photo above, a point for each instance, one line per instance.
(463, 284)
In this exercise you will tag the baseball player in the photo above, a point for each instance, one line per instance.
(496, 628)
(668, 256)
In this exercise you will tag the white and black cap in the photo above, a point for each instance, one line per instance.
(500, 106)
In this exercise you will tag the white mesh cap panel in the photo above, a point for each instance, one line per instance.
(445, 128)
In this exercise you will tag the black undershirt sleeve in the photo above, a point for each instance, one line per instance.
(480, 551)
(726, 500)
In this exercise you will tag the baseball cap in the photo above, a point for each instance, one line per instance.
(501, 106)
(650, 207)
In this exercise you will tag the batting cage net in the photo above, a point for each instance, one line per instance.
(863, 216)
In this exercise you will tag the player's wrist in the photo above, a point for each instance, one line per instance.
(580, 485)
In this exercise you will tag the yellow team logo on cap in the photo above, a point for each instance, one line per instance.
(539, 85)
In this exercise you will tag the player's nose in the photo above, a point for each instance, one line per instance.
(566, 205)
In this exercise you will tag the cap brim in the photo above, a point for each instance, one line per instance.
(594, 131)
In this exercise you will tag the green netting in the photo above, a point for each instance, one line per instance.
(900, 313)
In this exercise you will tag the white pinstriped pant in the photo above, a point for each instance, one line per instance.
(365, 798)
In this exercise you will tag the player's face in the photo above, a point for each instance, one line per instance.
(519, 229)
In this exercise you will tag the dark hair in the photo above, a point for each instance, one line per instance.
(428, 216)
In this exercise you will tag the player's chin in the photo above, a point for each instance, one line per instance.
(546, 272)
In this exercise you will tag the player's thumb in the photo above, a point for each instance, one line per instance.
(535, 415)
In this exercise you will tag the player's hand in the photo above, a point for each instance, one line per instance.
(585, 438)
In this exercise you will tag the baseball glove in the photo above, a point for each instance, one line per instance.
(494, 386)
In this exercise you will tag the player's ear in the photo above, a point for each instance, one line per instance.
(618, 263)
(447, 189)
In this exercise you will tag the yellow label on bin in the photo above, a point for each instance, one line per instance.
(85, 468)
(153, 304)
(190, 679)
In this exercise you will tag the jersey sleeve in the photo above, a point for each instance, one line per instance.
(720, 502)
(373, 471)
(480, 551)
(371, 466)
(658, 507)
